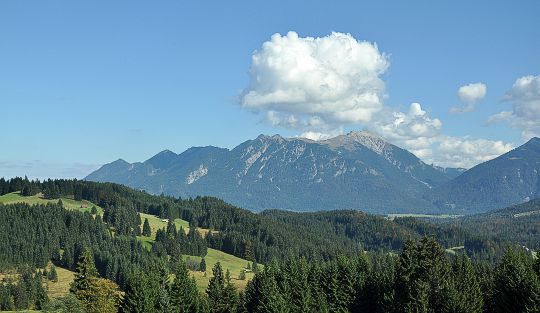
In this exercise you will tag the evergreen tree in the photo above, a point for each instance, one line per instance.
(222, 295)
(517, 287)
(465, 294)
(40, 294)
(140, 294)
(423, 277)
(93, 211)
(146, 231)
(101, 296)
(163, 301)
(52, 275)
(184, 294)
(263, 295)
(86, 269)
(202, 265)
(248, 253)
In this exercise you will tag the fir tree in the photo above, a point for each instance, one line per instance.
(184, 294)
(139, 294)
(222, 295)
(86, 269)
(163, 301)
(517, 287)
(202, 265)
(146, 231)
(52, 275)
(464, 292)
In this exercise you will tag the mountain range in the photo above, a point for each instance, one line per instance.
(359, 170)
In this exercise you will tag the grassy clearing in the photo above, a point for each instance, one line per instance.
(158, 223)
(61, 287)
(229, 262)
(454, 250)
(70, 204)
(396, 215)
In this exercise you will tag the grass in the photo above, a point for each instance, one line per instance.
(70, 204)
(393, 216)
(61, 287)
(157, 223)
(229, 262)
(453, 250)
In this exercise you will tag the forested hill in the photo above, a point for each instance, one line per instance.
(358, 170)
(341, 261)
(262, 237)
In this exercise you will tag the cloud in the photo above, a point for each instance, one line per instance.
(466, 152)
(525, 99)
(414, 129)
(318, 86)
(308, 83)
(470, 94)
(421, 134)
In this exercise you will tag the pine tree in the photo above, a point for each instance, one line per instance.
(163, 301)
(146, 231)
(202, 266)
(184, 294)
(517, 287)
(464, 292)
(139, 294)
(263, 294)
(93, 211)
(40, 294)
(222, 295)
(101, 296)
(248, 253)
(86, 269)
(52, 275)
(423, 276)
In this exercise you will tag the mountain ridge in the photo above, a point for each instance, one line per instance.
(358, 170)
(509, 179)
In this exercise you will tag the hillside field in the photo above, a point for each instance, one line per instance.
(229, 262)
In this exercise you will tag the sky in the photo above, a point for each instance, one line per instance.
(83, 83)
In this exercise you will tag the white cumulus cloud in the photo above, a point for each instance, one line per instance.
(525, 114)
(318, 86)
(421, 134)
(470, 94)
(308, 83)
(467, 152)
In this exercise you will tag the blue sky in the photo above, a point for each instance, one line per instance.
(85, 83)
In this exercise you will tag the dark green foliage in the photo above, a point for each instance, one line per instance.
(465, 294)
(86, 269)
(222, 296)
(67, 304)
(423, 277)
(321, 265)
(146, 231)
(202, 265)
(52, 275)
(140, 293)
(93, 211)
(516, 285)
(184, 296)
(27, 292)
